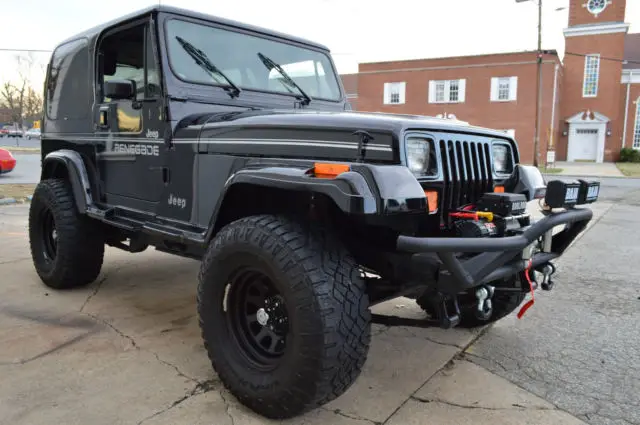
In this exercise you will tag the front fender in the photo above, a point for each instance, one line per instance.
(365, 190)
(76, 171)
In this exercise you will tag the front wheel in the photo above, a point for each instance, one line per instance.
(67, 247)
(284, 315)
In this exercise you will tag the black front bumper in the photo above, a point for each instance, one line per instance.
(499, 257)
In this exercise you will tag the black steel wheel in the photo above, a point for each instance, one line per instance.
(284, 315)
(67, 248)
(258, 318)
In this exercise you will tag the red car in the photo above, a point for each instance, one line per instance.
(7, 161)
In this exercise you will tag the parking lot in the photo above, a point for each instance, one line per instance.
(128, 350)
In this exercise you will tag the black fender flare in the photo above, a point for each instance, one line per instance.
(365, 190)
(76, 169)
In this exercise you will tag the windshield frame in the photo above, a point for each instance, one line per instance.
(341, 98)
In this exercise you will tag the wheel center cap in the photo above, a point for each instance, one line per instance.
(262, 316)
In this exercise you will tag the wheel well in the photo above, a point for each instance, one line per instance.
(365, 241)
(55, 170)
(242, 200)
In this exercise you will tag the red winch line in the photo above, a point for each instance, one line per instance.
(529, 303)
(464, 215)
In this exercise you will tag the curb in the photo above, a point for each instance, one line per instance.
(571, 176)
(14, 201)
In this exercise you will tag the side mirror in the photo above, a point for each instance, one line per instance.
(120, 89)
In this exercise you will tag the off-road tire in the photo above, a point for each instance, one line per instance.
(79, 247)
(503, 302)
(326, 303)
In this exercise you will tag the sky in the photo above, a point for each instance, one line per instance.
(355, 30)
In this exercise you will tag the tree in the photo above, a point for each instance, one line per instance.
(19, 96)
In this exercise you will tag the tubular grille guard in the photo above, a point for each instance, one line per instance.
(466, 171)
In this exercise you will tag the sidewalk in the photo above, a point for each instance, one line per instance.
(586, 169)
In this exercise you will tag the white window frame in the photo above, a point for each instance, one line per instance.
(511, 133)
(635, 142)
(394, 88)
(446, 85)
(587, 75)
(512, 89)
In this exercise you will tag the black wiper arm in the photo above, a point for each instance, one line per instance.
(203, 61)
(270, 64)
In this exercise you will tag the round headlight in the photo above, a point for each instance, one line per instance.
(418, 155)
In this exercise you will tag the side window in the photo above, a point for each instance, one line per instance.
(122, 57)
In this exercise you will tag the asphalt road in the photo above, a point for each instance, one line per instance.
(579, 345)
(27, 169)
(19, 142)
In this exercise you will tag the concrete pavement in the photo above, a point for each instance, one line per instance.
(587, 169)
(127, 350)
(579, 344)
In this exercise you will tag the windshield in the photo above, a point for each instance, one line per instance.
(237, 56)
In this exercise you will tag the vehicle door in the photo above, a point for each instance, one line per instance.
(128, 114)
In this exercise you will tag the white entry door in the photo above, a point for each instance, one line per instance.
(584, 145)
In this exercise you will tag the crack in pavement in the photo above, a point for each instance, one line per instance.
(95, 291)
(465, 406)
(348, 416)
(227, 407)
(201, 387)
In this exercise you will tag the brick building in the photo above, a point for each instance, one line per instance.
(587, 98)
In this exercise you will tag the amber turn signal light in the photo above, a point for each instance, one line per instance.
(328, 170)
(432, 200)
(498, 189)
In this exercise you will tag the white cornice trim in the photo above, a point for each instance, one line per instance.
(608, 28)
(630, 76)
(584, 118)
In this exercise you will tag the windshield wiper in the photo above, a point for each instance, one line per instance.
(203, 61)
(270, 64)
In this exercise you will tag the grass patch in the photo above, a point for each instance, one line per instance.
(16, 149)
(544, 170)
(629, 169)
(17, 191)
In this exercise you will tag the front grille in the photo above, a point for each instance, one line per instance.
(466, 171)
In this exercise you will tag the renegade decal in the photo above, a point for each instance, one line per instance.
(137, 149)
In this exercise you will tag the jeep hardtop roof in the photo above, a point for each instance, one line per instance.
(97, 30)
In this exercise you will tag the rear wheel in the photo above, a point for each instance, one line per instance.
(284, 315)
(67, 247)
(503, 303)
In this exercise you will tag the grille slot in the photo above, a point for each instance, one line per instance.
(466, 170)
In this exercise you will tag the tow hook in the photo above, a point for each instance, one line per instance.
(485, 307)
(547, 283)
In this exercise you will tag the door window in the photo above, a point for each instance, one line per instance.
(129, 55)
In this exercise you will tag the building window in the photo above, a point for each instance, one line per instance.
(504, 89)
(591, 74)
(394, 93)
(447, 91)
(636, 133)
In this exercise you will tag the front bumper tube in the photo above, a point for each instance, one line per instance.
(499, 257)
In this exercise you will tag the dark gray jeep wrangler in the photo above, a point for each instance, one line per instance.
(219, 141)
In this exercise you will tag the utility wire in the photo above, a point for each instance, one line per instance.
(25, 50)
(604, 58)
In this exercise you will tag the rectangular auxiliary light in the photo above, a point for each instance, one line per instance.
(562, 195)
(588, 192)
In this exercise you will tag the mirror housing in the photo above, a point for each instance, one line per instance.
(120, 89)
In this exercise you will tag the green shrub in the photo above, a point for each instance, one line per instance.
(629, 155)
